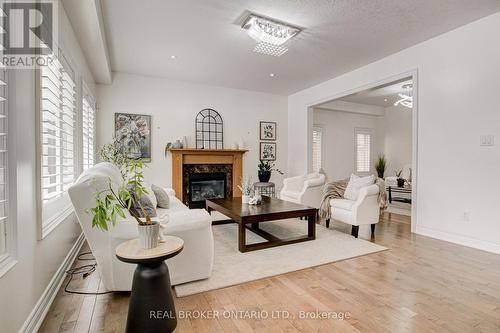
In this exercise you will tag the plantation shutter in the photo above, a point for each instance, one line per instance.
(316, 149)
(58, 105)
(4, 175)
(363, 151)
(88, 126)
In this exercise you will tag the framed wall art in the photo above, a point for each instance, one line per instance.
(268, 130)
(268, 151)
(133, 131)
(209, 131)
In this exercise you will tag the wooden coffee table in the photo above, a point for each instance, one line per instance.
(250, 216)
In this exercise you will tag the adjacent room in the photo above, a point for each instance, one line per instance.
(249, 166)
(377, 124)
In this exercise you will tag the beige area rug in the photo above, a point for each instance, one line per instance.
(232, 267)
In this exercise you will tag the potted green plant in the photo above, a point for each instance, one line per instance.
(115, 153)
(381, 165)
(112, 201)
(401, 181)
(265, 170)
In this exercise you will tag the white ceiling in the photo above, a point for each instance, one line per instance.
(384, 96)
(339, 36)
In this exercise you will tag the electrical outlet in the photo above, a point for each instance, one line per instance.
(466, 216)
(487, 140)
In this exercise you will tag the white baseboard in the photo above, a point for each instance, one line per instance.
(459, 239)
(37, 315)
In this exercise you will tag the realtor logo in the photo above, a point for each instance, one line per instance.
(28, 32)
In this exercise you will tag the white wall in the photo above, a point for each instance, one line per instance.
(22, 286)
(174, 106)
(338, 140)
(396, 126)
(458, 85)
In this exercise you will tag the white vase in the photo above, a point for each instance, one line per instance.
(177, 144)
(245, 199)
(149, 235)
(185, 143)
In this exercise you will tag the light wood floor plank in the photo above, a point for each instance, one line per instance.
(419, 285)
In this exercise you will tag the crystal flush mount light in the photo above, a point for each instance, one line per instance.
(406, 100)
(271, 35)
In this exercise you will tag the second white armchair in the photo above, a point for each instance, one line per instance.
(305, 189)
(362, 211)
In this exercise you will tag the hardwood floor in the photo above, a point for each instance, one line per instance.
(419, 285)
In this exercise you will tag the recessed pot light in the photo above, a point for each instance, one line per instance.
(385, 99)
(172, 57)
(272, 75)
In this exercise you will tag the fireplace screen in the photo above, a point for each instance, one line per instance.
(204, 186)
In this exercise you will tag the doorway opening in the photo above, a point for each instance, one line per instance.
(360, 131)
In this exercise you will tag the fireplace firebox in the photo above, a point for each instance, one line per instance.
(207, 185)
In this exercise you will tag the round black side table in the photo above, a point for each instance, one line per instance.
(151, 307)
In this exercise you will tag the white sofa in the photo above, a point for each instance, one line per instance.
(195, 262)
(306, 189)
(363, 211)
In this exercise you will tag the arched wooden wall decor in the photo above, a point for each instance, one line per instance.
(209, 130)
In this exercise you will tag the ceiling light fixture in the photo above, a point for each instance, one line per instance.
(272, 75)
(172, 57)
(406, 100)
(270, 35)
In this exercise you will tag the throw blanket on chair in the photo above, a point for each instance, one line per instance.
(331, 190)
(335, 190)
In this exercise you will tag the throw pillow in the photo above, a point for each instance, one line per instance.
(162, 197)
(146, 204)
(355, 184)
(151, 195)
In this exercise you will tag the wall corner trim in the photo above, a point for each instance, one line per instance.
(37, 315)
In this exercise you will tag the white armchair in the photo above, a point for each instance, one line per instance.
(194, 226)
(363, 211)
(306, 189)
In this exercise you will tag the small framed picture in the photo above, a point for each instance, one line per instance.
(268, 151)
(268, 130)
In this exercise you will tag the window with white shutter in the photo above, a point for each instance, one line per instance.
(363, 145)
(88, 130)
(4, 175)
(8, 239)
(317, 142)
(57, 107)
(58, 164)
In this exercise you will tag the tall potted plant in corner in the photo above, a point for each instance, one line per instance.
(381, 165)
(112, 202)
(265, 170)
